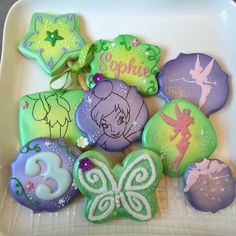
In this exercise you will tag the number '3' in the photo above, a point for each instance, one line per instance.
(54, 171)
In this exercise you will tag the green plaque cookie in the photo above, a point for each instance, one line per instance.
(125, 191)
(128, 59)
(51, 114)
(52, 40)
(181, 134)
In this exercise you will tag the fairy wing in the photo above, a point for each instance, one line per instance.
(206, 72)
(39, 110)
(178, 113)
(63, 102)
(168, 119)
(197, 64)
(138, 183)
(98, 184)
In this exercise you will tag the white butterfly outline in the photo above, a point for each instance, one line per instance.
(111, 194)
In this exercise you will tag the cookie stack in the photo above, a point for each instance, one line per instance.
(58, 128)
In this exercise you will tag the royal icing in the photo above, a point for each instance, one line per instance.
(209, 185)
(116, 115)
(181, 134)
(51, 114)
(180, 126)
(41, 176)
(195, 77)
(132, 191)
(52, 40)
(128, 59)
(61, 176)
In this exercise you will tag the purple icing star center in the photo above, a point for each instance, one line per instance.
(85, 164)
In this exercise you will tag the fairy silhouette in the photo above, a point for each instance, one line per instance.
(180, 126)
(204, 168)
(54, 110)
(118, 122)
(200, 77)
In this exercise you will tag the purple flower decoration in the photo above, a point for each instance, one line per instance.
(85, 164)
(97, 78)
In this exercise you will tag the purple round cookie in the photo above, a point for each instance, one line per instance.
(197, 78)
(41, 176)
(209, 185)
(112, 115)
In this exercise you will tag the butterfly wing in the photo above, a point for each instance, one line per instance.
(98, 185)
(138, 183)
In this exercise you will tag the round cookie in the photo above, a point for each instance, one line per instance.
(41, 176)
(51, 114)
(127, 59)
(52, 40)
(112, 115)
(181, 134)
(197, 78)
(119, 191)
(209, 185)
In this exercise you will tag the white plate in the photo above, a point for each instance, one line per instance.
(187, 26)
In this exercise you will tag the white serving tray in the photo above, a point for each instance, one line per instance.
(176, 26)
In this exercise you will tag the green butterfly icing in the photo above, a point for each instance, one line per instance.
(127, 190)
(128, 59)
(50, 114)
(181, 134)
(52, 40)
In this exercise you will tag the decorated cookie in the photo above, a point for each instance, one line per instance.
(125, 191)
(197, 78)
(128, 59)
(52, 40)
(181, 134)
(112, 115)
(41, 176)
(209, 185)
(51, 114)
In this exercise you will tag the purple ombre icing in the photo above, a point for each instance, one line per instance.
(197, 78)
(112, 115)
(41, 176)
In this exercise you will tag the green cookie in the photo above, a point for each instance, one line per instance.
(181, 134)
(51, 114)
(127, 190)
(128, 59)
(52, 40)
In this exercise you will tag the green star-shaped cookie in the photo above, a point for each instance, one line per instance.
(52, 40)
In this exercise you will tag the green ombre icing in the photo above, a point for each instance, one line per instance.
(52, 40)
(49, 114)
(128, 59)
(126, 190)
(181, 134)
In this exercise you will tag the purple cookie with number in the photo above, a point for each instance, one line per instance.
(112, 115)
(197, 78)
(41, 176)
(209, 185)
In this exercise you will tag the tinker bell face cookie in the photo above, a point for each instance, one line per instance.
(51, 114)
(128, 59)
(181, 134)
(197, 78)
(112, 115)
(124, 191)
(41, 176)
(209, 185)
(52, 40)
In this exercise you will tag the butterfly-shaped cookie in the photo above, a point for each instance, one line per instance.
(127, 190)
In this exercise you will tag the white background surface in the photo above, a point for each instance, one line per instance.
(176, 26)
